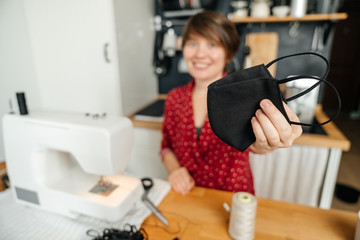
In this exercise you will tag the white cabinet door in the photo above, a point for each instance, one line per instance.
(75, 55)
(145, 159)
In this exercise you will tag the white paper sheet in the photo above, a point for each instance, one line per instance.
(20, 222)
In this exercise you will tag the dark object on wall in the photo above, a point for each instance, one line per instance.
(22, 103)
(346, 193)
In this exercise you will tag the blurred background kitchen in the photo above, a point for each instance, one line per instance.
(122, 57)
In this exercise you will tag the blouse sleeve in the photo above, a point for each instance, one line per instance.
(166, 141)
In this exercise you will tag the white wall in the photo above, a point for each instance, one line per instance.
(17, 71)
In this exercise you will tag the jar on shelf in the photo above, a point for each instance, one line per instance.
(241, 9)
(260, 8)
(298, 8)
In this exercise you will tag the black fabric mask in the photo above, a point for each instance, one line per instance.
(233, 100)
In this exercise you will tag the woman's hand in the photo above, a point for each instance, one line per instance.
(271, 129)
(181, 181)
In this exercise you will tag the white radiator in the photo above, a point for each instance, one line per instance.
(294, 174)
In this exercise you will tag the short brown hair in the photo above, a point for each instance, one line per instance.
(214, 26)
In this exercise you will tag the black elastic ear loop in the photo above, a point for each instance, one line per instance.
(307, 91)
(304, 53)
(290, 79)
(296, 77)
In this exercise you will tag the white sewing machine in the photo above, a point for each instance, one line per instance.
(55, 161)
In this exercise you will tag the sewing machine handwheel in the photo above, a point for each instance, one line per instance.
(147, 183)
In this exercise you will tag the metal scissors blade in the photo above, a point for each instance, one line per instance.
(147, 184)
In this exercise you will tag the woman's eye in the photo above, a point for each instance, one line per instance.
(192, 44)
(212, 45)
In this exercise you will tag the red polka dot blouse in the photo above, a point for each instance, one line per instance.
(211, 162)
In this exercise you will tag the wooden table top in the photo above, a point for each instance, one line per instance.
(200, 215)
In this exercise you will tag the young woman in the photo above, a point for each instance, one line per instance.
(191, 152)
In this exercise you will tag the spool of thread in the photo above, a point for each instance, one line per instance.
(22, 103)
(242, 216)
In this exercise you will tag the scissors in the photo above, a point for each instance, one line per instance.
(147, 184)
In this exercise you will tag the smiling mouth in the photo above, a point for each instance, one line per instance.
(201, 65)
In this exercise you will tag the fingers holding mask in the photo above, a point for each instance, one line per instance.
(296, 129)
(271, 134)
(271, 128)
(261, 142)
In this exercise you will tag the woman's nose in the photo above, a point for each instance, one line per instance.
(200, 51)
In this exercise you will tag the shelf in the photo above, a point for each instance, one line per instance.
(306, 18)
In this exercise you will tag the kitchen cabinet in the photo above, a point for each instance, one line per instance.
(92, 56)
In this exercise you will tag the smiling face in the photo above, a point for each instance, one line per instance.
(210, 42)
(205, 59)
